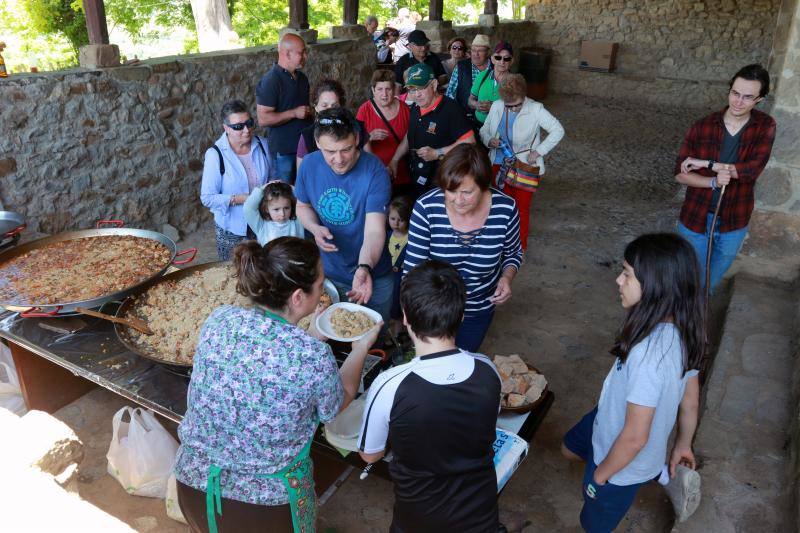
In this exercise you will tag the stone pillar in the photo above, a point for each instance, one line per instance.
(489, 17)
(350, 28)
(98, 53)
(298, 22)
(775, 225)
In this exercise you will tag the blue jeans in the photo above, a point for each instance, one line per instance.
(724, 249)
(381, 299)
(604, 506)
(285, 169)
(473, 330)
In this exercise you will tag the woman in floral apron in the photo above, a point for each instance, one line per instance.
(260, 386)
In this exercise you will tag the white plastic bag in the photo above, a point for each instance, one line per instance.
(141, 454)
(173, 508)
(10, 393)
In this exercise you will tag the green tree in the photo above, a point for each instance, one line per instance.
(64, 17)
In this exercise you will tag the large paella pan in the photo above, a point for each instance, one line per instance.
(87, 268)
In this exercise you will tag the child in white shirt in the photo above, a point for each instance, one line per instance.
(270, 212)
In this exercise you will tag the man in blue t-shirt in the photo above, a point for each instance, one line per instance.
(342, 194)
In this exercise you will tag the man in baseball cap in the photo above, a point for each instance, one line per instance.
(466, 71)
(436, 125)
(420, 52)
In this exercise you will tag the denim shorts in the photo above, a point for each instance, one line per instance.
(604, 506)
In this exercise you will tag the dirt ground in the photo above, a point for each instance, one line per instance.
(609, 180)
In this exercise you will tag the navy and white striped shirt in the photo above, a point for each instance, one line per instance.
(496, 247)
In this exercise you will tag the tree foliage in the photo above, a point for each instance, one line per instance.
(63, 17)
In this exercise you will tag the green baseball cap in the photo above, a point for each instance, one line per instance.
(419, 75)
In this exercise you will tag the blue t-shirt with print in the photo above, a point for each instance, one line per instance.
(342, 203)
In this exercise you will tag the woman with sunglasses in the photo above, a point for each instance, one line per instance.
(514, 125)
(234, 166)
(458, 51)
(486, 87)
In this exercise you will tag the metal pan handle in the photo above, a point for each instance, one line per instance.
(33, 313)
(380, 353)
(16, 231)
(192, 251)
(112, 223)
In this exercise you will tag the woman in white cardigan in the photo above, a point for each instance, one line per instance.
(517, 121)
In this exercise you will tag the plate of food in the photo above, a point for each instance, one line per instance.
(346, 322)
(523, 386)
(328, 297)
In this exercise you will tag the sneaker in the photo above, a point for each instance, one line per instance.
(684, 492)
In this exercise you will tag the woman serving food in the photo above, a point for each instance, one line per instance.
(260, 386)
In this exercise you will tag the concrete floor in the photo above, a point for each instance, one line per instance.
(608, 181)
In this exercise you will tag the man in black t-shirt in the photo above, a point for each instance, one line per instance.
(282, 96)
(420, 52)
(436, 124)
(438, 415)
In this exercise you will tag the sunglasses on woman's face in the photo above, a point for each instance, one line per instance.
(504, 59)
(454, 47)
(239, 126)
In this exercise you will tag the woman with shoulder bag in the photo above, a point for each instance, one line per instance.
(512, 132)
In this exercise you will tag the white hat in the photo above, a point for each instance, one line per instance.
(481, 40)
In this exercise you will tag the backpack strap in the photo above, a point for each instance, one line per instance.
(221, 162)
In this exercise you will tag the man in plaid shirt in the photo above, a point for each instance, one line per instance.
(727, 149)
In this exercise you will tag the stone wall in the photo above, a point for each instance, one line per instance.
(128, 142)
(671, 51)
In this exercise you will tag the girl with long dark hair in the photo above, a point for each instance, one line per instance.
(653, 382)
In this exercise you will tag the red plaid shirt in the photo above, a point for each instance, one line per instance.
(704, 141)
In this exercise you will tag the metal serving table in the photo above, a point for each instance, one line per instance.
(56, 367)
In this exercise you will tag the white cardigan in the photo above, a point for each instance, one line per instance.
(532, 118)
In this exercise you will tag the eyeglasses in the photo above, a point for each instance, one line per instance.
(239, 126)
(504, 59)
(331, 121)
(413, 89)
(454, 47)
(744, 97)
(512, 106)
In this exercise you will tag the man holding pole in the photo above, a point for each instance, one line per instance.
(719, 161)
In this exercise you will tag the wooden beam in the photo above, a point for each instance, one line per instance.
(490, 7)
(298, 14)
(95, 13)
(350, 12)
(436, 10)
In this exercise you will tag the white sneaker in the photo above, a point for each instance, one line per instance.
(684, 492)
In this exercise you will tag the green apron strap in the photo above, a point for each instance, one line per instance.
(213, 496)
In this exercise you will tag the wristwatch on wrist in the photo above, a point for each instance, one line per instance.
(714, 183)
(710, 165)
(364, 265)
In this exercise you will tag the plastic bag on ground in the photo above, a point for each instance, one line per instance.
(141, 454)
(173, 508)
(10, 393)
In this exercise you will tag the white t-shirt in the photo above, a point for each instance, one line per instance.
(652, 376)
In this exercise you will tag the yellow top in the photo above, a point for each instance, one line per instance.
(396, 245)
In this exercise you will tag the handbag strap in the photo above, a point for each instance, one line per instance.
(383, 118)
(533, 140)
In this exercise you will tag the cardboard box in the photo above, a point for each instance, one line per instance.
(598, 55)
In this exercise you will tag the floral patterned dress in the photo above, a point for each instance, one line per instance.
(259, 388)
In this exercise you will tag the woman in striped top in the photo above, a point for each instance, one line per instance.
(473, 227)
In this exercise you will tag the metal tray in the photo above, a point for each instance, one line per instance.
(123, 332)
(38, 309)
(11, 227)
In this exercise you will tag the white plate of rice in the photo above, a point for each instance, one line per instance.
(346, 322)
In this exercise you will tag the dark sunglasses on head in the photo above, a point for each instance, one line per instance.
(454, 47)
(504, 59)
(331, 121)
(239, 126)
